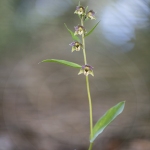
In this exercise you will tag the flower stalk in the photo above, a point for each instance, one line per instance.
(88, 87)
(83, 42)
(90, 109)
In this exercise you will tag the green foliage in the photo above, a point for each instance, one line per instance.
(64, 62)
(79, 4)
(105, 120)
(91, 30)
(86, 9)
(74, 37)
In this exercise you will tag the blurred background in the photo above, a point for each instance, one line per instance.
(45, 106)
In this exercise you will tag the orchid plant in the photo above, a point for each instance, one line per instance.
(79, 35)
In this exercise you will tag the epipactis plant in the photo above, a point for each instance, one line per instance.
(86, 69)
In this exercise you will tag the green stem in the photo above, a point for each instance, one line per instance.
(90, 105)
(83, 43)
(90, 147)
(88, 88)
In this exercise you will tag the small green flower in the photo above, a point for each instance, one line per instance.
(79, 30)
(86, 70)
(90, 15)
(80, 10)
(76, 46)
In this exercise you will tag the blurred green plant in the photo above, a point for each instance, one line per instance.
(87, 69)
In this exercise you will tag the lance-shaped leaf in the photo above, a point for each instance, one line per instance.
(108, 117)
(86, 9)
(74, 37)
(64, 62)
(91, 30)
(79, 3)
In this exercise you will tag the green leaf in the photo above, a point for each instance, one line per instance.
(64, 62)
(86, 9)
(91, 30)
(74, 37)
(108, 117)
(79, 3)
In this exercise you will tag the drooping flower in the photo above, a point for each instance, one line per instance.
(79, 30)
(86, 70)
(80, 10)
(76, 46)
(90, 15)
